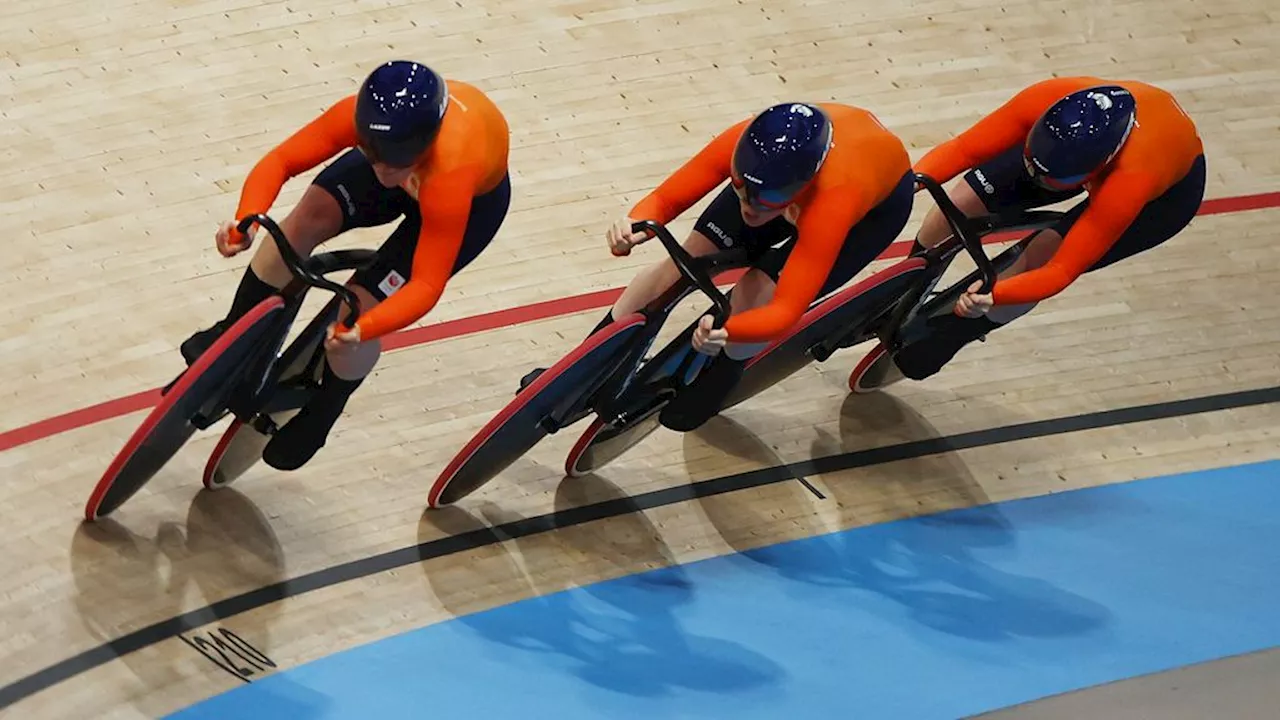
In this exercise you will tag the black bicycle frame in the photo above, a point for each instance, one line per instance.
(608, 390)
(265, 368)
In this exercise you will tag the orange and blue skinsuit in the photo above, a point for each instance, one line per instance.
(467, 159)
(1160, 151)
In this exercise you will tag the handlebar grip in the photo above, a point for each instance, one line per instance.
(962, 227)
(297, 265)
(689, 266)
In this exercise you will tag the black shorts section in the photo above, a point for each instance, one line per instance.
(1003, 184)
(367, 203)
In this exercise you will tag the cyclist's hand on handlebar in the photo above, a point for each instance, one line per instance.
(338, 337)
(231, 243)
(971, 304)
(621, 239)
(707, 339)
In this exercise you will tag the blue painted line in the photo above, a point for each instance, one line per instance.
(936, 617)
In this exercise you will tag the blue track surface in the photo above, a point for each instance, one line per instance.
(936, 617)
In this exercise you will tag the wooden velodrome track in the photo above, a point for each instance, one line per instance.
(129, 125)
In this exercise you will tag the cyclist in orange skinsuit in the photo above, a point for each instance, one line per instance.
(417, 147)
(1128, 145)
(827, 184)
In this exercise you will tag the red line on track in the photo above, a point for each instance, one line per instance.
(492, 321)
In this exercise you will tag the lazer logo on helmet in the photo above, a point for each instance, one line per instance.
(379, 127)
(1105, 99)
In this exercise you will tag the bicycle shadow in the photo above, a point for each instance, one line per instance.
(780, 510)
(926, 539)
(623, 633)
(125, 581)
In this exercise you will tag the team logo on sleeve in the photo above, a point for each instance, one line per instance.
(391, 283)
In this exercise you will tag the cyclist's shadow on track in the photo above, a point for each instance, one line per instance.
(125, 580)
(623, 634)
(928, 566)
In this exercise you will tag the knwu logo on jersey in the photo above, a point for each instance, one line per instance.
(391, 283)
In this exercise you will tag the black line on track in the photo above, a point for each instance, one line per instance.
(809, 486)
(364, 567)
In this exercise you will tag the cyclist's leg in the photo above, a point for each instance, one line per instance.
(345, 195)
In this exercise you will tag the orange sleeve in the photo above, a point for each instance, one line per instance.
(317, 141)
(820, 235)
(687, 185)
(445, 202)
(1110, 212)
(1004, 128)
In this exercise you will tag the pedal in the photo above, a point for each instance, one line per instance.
(529, 378)
(661, 393)
(264, 424)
